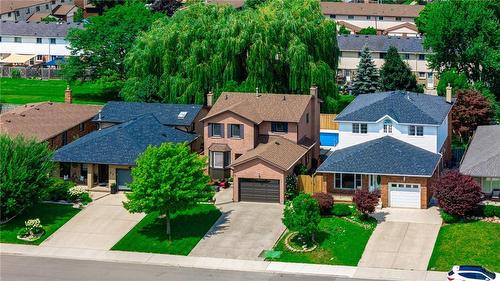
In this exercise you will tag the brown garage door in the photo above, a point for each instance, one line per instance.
(257, 190)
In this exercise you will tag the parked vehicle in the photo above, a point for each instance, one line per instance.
(471, 273)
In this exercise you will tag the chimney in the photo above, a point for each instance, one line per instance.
(313, 91)
(210, 99)
(68, 97)
(448, 93)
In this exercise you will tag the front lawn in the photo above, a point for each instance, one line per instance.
(340, 242)
(470, 243)
(52, 217)
(188, 227)
(21, 91)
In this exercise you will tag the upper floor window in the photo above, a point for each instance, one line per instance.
(350, 17)
(416, 130)
(421, 57)
(279, 127)
(39, 57)
(38, 8)
(215, 130)
(46, 6)
(406, 56)
(387, 127)
(235, 131)
(53, 2)
(52, 40)
(421, 75)
(307, 118)
(398, 18)
(358, 128)
(18, 39)
(333, 16)
(0, 38)
(39, 40)
(28, 11)
(380, 18)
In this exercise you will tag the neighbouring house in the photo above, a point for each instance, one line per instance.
(126, 129)
(65, 12)
(56, 123)
(396, 142)
(259, 139)
(21, 10)
(410, 48)
(387, 19)
(32, 43)
(482, 158)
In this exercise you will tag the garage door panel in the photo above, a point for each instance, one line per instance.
(404, 196)
(259, 190)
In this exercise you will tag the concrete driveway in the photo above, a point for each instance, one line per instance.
(99, 226)
(243, 231)
(403, 239)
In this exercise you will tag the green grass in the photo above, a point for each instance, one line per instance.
(188, 227)
(21, 91)
(340, 242)
(470, 243)
(52, 217)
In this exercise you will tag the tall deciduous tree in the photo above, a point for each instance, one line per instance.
(396, 74)
(280, 47)
(454, 79)
(167, 179)
(464, 34)
(366, 80)
(471, 109)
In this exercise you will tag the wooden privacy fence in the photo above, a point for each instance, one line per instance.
(327, 123)
(311, 184)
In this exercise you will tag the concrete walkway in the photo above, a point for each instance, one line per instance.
(243, 231)
(98, 227)
(404, 239)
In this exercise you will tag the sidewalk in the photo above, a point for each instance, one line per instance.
(220, 264)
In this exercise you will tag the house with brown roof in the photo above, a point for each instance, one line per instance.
(21, 10)
(259, 139)
(56, 123)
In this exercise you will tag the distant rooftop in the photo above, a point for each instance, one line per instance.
(365, 9)
(37, 29)
(483, 155)
(380, 43)
(12, 5)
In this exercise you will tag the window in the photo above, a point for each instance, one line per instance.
(387, 127)
(0, 38)
(18, 40)
(53, 2)
(355, 128)
(398, 18)
(83, 170)
(333, 16)
(406, 56)
(359, 54)
(307, 118)
(38, 8)
(368, 17)
(360, 128)
(28, 11)
(64, 138)
(46, 6)
(416, 131)
(279, 127)
(219, 160)
(52, 40)
(215, 130)
(382, 55)
(9, 14)
(421, 75)
(350, 17)
(82, 127)
(235, 131)
(421, 57)
(364, 128)
(39, 40)
(380, 18)
(17, 13)
(39, 57)
(348, 181)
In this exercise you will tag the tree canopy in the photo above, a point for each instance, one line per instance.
(366, 79)
(457, 81)
(368, 31)
(278, 46)
(471, 109)
(302, 214)
(396, 74)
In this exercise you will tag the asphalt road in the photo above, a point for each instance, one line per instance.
(17, 268)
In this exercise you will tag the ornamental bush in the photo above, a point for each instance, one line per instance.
(491, 211)
(365, 201)
(448, 218)
(457, 194)
(59, 190)
(291, 187)
(325, 202)
(341, 210)
(302, 215)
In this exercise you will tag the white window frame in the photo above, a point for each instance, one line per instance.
(213, 158)
(413, 130)
(387, 127)
(356, 176)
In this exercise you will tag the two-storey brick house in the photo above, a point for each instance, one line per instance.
(259, 139)
(396, 142)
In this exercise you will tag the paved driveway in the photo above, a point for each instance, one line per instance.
(99, 226)
(404, 239)
(243, 231)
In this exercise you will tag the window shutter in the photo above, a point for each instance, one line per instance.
(222, 130)
(210, 130)
(285, 126)
(242, 134)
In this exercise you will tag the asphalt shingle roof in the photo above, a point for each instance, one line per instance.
(167, 114)
(483, 155)
(380, 43)
(37, 29)
(384, 156)
(121, 144)
(403, 107)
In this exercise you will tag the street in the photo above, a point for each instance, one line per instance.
(23, 268)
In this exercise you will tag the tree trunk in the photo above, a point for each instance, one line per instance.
(169, 233)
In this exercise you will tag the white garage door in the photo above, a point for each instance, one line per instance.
(404, 195)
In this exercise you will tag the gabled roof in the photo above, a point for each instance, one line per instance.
(366, 9)
(12, 5)
(45, 120)
(63, 9)
(380, 43)
(167, 114)
(483, 155)
(121, 144)
(37, 29)
(403, 25)
(276, 151)
(403, 107)
(382, 156)
(262, 107)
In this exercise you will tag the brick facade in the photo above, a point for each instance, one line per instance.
(72, 134)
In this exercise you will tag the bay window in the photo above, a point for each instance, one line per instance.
(219, 159)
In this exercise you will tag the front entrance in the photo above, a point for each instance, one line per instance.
(404, 195)
(123, 178)
(259, 190)
(103, 174)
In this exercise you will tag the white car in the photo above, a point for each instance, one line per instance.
(471, 273)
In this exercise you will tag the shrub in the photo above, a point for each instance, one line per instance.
(341, 210)
(302, 215)
(85, 198)
(365, 201)
(15, 73)
(79, 194)
(457, 194)
(300, 169)
(59, 190)
(491, 211)
(448, 218)
(32, 228)
(291, 187)
(325, 202)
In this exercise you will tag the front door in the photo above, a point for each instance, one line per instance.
(430, 80)
(103, 174)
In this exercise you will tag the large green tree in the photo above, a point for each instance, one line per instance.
(168, 179)
(457, 81)
(302, 214)
(396, 74)
(464, 35)
(25, 168)
(366, 79)
(98, 51)
(278, 46)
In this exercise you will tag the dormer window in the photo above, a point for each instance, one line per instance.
(416, 130)
(360, 128)
(387, 127)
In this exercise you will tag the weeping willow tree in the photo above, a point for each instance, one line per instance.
(279, 47)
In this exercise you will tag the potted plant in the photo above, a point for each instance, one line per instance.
(114, 188)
